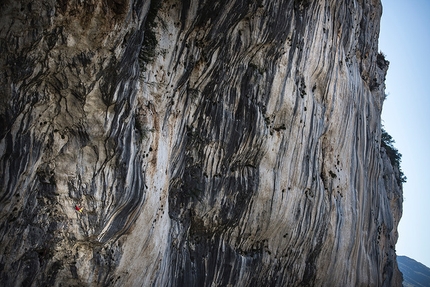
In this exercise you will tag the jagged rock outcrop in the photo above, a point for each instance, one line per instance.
(209, 143)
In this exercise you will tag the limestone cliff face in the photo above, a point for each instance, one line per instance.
(209, 143)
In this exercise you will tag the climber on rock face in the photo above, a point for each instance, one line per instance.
(78, 208)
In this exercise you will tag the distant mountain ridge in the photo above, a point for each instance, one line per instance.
(415, 274)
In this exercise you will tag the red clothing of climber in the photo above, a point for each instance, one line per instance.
(78, 208)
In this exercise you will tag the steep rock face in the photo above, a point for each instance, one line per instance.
(244, 151)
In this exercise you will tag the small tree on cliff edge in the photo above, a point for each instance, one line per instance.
(395, 157)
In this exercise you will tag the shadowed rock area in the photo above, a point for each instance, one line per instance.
(208, 143)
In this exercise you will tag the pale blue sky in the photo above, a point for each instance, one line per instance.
(405, 40)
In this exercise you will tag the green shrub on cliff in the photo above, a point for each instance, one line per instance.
(394, 155)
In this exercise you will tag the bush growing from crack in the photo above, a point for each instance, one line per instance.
(381, 61)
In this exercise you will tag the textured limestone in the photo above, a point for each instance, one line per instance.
(238, 145)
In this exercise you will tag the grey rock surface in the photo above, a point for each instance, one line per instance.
(209, 143)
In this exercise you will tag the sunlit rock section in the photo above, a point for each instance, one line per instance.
(208, 143)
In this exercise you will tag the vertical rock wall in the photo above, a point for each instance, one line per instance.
(68, 84)
(209, 143)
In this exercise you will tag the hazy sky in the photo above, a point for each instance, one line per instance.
(405, 40)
